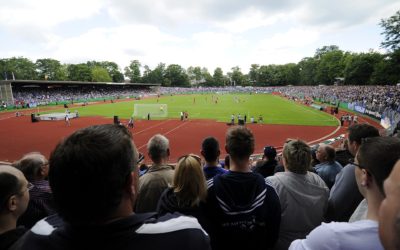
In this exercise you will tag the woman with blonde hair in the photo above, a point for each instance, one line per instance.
(188, 190)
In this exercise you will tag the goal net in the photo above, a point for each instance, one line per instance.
(155, 110)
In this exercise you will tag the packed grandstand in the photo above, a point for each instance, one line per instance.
(379, 102)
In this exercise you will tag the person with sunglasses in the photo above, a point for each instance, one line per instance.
(188, 191)
(344, 196)
(14, 198)
(242, 207)
(374, 161)
(94, 178)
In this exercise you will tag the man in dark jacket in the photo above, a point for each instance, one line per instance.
(244, 209)
(267, 165)
(94, 188)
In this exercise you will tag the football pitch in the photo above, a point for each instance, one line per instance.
(274, 109)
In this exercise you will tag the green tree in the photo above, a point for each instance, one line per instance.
(359, 68)
(133, 71)
(100, 74)
(307, 69)
(391, 31)
(175, 75)
(218, 77)
(387, 71)
(290, 74)
(79, 72)
(236, 76)
(154, 76)
(19, 68)
(195, 75)
(50, 69)
(207, 79)
(330, 66)
(113, 70)
(254, 75)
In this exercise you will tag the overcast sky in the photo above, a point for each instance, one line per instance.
(206, 33)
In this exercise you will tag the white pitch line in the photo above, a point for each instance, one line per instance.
(326, 136)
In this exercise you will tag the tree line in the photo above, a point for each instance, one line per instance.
(327, 66)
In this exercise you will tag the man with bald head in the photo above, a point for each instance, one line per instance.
(14, 198)
(35, 167)
(389, 211)
(328, 168)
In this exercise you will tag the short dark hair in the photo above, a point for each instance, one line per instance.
(9, 185)
(210, 147)
(240, 142)
(89, 170)
(379, 155)
(330, 153)
(359, 131)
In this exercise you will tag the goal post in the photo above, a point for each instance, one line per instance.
(155, 110)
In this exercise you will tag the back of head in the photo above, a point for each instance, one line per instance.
(359, 131)
(378, 155)
(158, 148)
(239, 143)
(31, 165)
(9, 185)
(89, 171)
(14, 195)
(210, 149)
(297, 156)
(189, 182)
(270, 152)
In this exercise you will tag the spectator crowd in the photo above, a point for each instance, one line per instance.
(91, 196)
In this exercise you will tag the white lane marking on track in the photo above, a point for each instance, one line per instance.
(158, 124)
(169, 131)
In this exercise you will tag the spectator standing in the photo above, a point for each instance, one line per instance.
(14, 198)
(328, 168)
(211, 152)
(243, 208)
(158, 177)
(373, 166)
(303, 195)
(188, 191)
(389, 211)
(96, 212)
(266, 166)
(344, 196)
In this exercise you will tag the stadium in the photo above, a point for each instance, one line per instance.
(115, 134)
(283, 116)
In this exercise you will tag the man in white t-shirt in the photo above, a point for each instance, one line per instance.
(389, 211)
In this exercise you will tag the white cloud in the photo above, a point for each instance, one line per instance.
(46, 13)
(249, 19)
(294, 38)
(121, 44)
(206, 33)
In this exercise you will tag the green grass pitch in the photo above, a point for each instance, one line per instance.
(274, 109)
